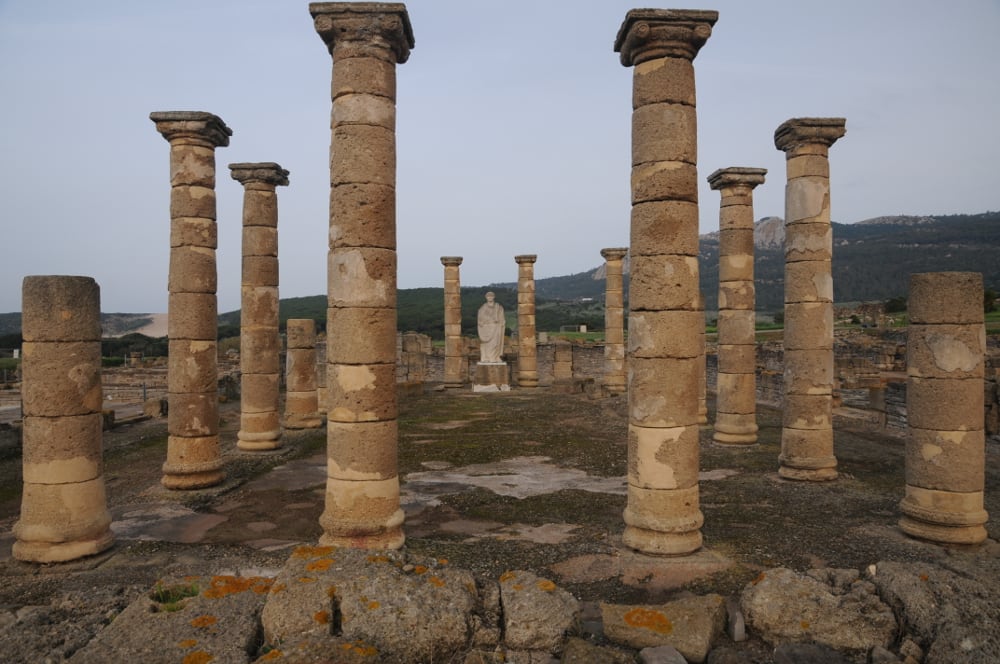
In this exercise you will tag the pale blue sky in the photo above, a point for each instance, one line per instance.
(513, 127)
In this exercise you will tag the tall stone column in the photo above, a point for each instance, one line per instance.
(807, 425)
(64, 511)
(527, 352)
(301, 396)
(260, 343)
(366, 41)
(702, 364)
(193, 460)
(454, 358)
(665, 320)
(614, 321)
(946, 439)
(736, 389)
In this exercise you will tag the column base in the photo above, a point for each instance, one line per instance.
(807, 474)
(184, 480)
(304, 421)
(655, 543)
(735, 429)
(258, 442)
(949, 517)
(741, 439)
(60, 552)
(935, 532)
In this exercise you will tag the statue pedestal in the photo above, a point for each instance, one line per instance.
(491, 377)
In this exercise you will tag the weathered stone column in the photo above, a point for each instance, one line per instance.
(562, 365)
(260, 343)
(946, 440)
(64, 511)
(736, 389)
(527, 352)
(615, 380)
(665, 321)
(301, 395)
(366, 41)
(193, 457)
(702, 364)
(807, 426)
(454, 359)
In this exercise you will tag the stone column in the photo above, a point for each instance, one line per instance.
(193, 456)
(614, 321)
(366, 41)
(454, 359)
(736, 389)
(807, 426)
(64, 511)
(665, 321)
(946, 439)
(562, 365)
(527, 353)
(301, 395)
(702, 364)
(260, 343)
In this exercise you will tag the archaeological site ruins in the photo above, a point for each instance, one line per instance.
(352, 488)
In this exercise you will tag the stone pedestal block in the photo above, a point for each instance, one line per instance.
(493, 377)
(945, 446)
(808, 295)
(366, 41)
(664, 384)
(193, 414)
(64, 512)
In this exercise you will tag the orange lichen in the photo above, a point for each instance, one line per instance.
(187, 643)
(924, 577)
(221, 586)
(191, 578)
(378, 559)
(322, 617)
(197, 657)
(277, 588)
(372, 605)
(306, 579)
(331, 592)
(546, 585)
(204, 621)
(303, 552)
(517, 586)
(804, 624)
(420, 569)
(361, 648)
(649, 619)
(320, 565)
(760, 577)
(442, 561)
(272, 654)
(507, 576)
(436, 581)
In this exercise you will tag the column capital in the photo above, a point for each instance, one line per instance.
(197, 125)
(267, 172)
(451, 261)
(382, 25)
(647, 34)
(614, 253)
(736, 176)
(796, 132)
(526, 259)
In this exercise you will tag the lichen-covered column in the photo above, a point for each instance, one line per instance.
(301, 396)
(615, 379)
(260, 343)
(454, 360)
(193, 460)
(527, 352)
(807, 423)
(946, 439)
(64, 511)
(665, 320)
(736, 389)
(366, 41)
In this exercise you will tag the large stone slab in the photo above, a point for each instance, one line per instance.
(217, 623)
(406, 610)
(830, 607)
(536, 613)
(690, 624)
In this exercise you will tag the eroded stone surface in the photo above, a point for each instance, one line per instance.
(690, 625)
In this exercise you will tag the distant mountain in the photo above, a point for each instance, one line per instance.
(872, 261)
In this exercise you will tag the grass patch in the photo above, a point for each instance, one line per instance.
(171, 598)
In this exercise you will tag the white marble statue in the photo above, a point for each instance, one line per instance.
(492, 325)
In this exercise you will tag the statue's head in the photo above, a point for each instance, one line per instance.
(490, 296)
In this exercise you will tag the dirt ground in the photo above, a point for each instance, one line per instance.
(530, 480)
